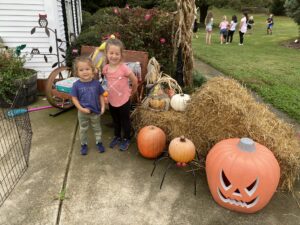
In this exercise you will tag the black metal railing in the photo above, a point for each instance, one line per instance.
(15, 142)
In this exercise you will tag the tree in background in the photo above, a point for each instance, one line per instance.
(277, 7)
(204, 5)
(241, 5)
(95, 5)
(292, 8)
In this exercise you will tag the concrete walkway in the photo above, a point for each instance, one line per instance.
(115, 188)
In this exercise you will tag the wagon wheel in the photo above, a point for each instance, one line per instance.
(56, 98)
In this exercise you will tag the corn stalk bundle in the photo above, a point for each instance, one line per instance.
(185, 17)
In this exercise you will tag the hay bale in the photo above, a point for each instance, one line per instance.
(173, 123)
(222, 109)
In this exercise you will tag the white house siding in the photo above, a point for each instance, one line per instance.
(18, 17)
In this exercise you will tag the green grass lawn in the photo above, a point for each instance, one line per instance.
(262, 64)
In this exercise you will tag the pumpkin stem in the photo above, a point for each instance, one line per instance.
(182, 138)
(247, 145)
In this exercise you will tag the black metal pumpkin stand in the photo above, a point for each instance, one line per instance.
(194, 165)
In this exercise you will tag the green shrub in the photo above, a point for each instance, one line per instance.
(198, 80)
(136, 32)
(11, 69)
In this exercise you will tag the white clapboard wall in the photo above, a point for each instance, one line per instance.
(18, 17)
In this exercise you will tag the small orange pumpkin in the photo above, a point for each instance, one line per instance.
(151, 141)
(105, 94)
(182, 150)
(242, 175)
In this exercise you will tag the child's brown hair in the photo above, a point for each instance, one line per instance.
(82, 59)
(115, 42)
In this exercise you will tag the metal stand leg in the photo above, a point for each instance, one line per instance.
(197, 154)
(168, 167)
(157, 161)
(195, 179)
(60, 112)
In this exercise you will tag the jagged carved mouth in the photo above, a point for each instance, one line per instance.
(248, 205)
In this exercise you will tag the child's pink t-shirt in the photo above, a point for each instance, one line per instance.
(117, 85)
(223, 25)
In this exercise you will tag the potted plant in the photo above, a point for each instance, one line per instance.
(18, 85)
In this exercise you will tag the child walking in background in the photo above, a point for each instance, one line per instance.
(223, 29)
(87, 97)
(119, 92)
(250, 24)
(270, 23)
(209, 20)
(243, 28)
(195, 28)
(231, 30)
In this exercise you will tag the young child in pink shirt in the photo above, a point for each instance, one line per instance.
(117, 75)
(223, 29)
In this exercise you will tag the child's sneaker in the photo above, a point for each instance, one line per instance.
(100, 147)
(116, 140)
(124, 144)
(84, 149)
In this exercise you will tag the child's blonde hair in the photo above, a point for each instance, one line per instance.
(224, 17)
(208, 17)
(82, 59)
(115, 42)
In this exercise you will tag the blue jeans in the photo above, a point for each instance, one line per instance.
(84, 121)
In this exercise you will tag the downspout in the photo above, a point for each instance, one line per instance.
(73, 16)
(64, 12)
(76, 18)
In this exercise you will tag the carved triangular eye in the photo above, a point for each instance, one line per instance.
(224, 181)
(252, 187)
(237, 192)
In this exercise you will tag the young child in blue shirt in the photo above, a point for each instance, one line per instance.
(87, 97)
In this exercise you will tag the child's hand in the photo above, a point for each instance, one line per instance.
(85, 110)
(102, 110)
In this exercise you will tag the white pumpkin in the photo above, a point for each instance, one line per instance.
(179, 102)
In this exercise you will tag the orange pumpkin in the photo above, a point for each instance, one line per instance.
(151, 141)
(105, 94)
(242, 175)
(182, 150)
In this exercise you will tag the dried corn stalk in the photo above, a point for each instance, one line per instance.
(185, 17)
(153, 71)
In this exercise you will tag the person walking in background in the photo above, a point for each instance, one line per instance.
(250, 24)
(195, 28)
(117, 75)
(231, 30)
(243, 28)
(209, 20)
(223, 29)
(87, 97)
(270, 24)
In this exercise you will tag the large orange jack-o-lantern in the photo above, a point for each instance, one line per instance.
(242, 175)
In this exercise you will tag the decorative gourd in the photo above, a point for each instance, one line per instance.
(242, 175)
(179, 102)
(157, 103)
(170, 92)
(182, 150)
(151, 141)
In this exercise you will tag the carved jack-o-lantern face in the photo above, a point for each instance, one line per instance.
(238, 193)
(242, 175)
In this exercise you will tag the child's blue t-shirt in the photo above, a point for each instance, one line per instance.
(88, 94)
